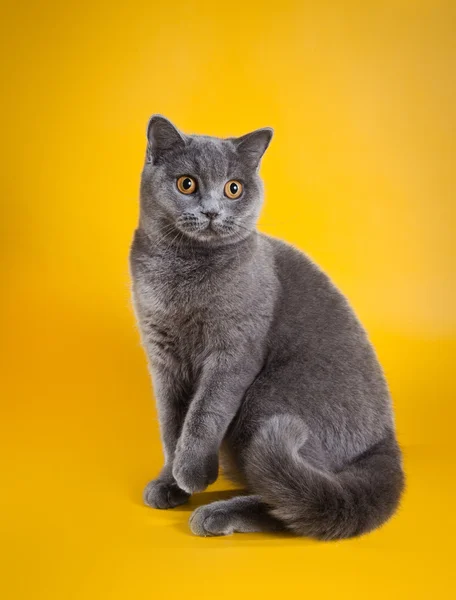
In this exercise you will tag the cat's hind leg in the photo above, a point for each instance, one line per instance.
(242, 514)
(284, 466)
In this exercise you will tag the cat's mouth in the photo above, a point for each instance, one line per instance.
(204, 230)
(211, 229)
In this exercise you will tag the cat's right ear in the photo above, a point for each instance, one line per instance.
(161, 136)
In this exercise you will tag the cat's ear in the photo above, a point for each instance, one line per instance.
(253, 145)
(161, 136)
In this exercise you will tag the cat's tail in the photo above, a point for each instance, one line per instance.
(315, 502)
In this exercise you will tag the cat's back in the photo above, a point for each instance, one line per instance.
(315, 325)
(308, 295)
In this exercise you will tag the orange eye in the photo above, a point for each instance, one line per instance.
(186, 185)
(233, 189)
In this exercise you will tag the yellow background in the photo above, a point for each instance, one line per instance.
(360, 174)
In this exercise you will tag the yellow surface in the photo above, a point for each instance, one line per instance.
(360, 175)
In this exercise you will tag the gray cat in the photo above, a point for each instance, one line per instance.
(254, 355)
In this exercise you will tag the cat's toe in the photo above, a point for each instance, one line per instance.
(208, 521)
(194, 472)
(164, 494)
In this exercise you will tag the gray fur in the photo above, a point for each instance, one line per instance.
(251, 345)
(242, 514)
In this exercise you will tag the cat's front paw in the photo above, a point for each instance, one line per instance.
(194, 471)
(160, 493)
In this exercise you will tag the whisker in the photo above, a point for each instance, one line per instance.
(167, 232)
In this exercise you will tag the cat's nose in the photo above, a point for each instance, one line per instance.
(210, 214)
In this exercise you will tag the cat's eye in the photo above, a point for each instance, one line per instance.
(186, 185)
(233, 189)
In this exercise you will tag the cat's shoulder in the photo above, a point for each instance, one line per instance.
(138, 247)
(143, 259)
(295, 268)
(285, 253)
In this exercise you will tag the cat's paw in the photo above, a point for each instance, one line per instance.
(160, 493)
(193, 471)
(211, 520)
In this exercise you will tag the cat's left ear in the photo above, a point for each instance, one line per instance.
(253, 145)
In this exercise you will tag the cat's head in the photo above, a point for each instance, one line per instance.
(206, 188)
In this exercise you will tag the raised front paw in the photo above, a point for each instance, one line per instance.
(194, 471)
(161, 493)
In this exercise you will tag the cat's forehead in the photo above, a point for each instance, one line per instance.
(204, 155)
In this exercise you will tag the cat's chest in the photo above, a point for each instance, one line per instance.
(183, 311)
(174, 294)
(187, 311)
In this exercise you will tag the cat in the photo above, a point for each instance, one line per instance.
(254, 355)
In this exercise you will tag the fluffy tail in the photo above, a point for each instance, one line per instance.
(315, 502)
